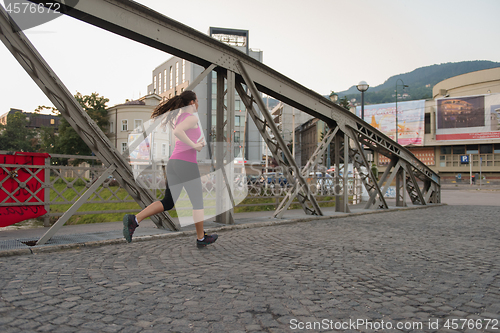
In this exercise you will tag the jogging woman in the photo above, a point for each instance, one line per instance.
(182, 167)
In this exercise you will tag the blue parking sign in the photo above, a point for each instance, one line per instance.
(464, 159)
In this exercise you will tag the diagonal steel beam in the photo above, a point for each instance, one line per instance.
(371, 176)
(303, 195)
(390, 179)
(381, 181)
(41, 73)
(292, 170)
(412, 185)
(310, 165)
(65, 217)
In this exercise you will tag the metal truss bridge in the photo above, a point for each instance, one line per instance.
(248, 78)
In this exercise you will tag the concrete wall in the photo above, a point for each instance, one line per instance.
(476, 83)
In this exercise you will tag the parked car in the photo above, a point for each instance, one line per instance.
(273, 179)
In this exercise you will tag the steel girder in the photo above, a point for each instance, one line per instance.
(139, 23)
(26, 54)
(223, 151)
(290, 168)
(297, 190)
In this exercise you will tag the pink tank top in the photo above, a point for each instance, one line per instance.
(183, 151)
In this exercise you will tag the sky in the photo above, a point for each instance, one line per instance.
(324, 45)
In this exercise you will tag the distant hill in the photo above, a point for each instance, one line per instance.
(420, 81)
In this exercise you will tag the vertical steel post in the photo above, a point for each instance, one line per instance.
(227, 216)
(219, 138)
(224, 151)
(337, 173)
(46, 185)
(345, 203)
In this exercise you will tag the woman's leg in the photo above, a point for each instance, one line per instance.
(171, 195)
(155, 208)
(198, 218)
(191, 180)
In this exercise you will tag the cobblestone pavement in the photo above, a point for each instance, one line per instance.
(397, 268)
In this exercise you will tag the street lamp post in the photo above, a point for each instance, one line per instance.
(362, 86)
(334, 98)
(404, 86)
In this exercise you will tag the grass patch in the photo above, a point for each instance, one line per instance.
(249, 204)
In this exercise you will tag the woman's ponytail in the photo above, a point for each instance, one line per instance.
(174, 104)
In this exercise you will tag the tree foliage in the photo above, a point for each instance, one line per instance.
(15, 136)
(68, 142)
(420, 82)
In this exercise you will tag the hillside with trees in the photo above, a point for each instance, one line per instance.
(420, 81)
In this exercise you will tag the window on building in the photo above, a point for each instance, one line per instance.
(171, 78)
(159, 83)
(52, 121)
(137, 123)
(472, 149)
(237, 136)
(124, 146)
(237, 121)
(111, 127)
(176, 74)
(445, 150)
(183, 70)
(496, 148)
(237, 151)
(163, 149)
(458, 150)
(154, 84)
(214, 120)
(125, 125)
(153, 153)
(486, 149)
(427, 123)
(164, 80)
(214, 104)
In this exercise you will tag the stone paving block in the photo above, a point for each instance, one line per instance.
(392, 265)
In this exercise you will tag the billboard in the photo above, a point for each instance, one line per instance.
(411, 116)
(468, 117)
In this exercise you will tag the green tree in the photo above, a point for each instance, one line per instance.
(66, 140)
(344, 102)
(69, 142)
(16, 136)
(47, 136)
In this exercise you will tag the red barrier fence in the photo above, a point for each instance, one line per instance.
(22, 185)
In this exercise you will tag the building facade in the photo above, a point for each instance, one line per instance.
(124, 118)
(456, 134)
(461, 128)
(35, 120)
(174, 75)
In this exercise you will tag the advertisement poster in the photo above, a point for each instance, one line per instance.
(143, 151)
(411, 116)
(468, 118)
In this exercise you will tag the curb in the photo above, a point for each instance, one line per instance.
(77, 246)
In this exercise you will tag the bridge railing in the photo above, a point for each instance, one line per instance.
(64, 185)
